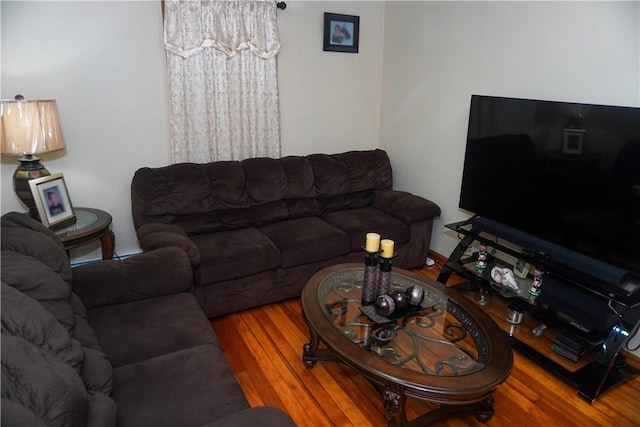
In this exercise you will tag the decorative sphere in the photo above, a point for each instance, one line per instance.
(415, 294)
(385, 305)
(400, 299)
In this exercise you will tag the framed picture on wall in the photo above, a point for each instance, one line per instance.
(341, 33)
(52, 200)
(573, 141)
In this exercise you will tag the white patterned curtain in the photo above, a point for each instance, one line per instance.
(223, 87)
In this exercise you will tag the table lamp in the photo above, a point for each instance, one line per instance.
(27, 128)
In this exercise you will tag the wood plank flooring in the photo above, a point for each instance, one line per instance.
(264, 348)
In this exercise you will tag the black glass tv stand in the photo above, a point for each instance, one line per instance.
(595, 315)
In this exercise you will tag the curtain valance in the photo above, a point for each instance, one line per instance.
(227, 26)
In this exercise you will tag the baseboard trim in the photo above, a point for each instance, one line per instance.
(438, 258)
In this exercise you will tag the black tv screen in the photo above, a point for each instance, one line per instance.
(565, 172)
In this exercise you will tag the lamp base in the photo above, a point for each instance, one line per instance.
(30, 168)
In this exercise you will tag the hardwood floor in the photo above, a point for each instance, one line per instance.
(264, 348)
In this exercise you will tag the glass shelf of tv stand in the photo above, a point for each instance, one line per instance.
(466, 229)
(522, 334)
(523, 299)
(464, 265)
(625, 296)
(600, 369)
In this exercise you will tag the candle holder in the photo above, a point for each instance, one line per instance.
(384, 277)
(481, 263)
(536, 285)
(370, 279)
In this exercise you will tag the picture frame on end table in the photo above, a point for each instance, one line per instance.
(573, 141)
(341, 33)
(52, 200)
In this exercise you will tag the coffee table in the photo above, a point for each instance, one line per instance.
(446, 350)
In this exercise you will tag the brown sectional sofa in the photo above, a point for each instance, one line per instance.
(110, 343)
(256, 230)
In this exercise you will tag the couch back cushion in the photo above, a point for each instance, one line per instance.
(48, 378)
(45, 323)
(279, 189)
(35, 263)
(348, 180)
(40, 363)
(230, 194)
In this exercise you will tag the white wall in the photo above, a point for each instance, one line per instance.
(330, 101)
(104, 64)
(436, 54)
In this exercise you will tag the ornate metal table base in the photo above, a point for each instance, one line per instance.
(394, 401)
(394, 397)
(312, 354)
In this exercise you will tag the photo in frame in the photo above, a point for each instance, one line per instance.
(52, 200)
(341, 33)
(573, 141)
(521, 269)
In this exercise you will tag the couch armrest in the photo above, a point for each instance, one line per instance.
(155, 235)
(159, 272)
(405, 206)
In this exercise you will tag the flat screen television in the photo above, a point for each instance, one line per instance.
(565, 172)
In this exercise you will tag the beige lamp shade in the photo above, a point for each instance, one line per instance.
(29, 127)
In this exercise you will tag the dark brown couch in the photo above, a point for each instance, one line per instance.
(109, 343)
(257, 229)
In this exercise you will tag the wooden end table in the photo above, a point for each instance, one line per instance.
(446, 350)
(91, 225)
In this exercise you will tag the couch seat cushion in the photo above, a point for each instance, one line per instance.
(234, 253)
(190, 387)
(143, 329)
(306, 240)
(357, 222)
(256, 416)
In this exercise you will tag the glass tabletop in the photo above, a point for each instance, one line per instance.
(436, 337)
(84, 219)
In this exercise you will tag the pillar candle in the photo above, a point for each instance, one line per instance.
(387, 248)
(372, 243)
